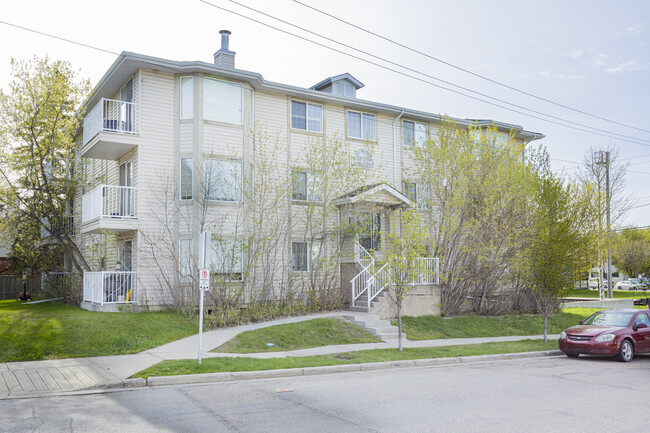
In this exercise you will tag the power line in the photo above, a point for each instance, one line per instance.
(383, 59)
(468, 71)
(636, 140)
(59, 38)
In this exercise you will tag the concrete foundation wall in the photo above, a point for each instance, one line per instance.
(420, 301)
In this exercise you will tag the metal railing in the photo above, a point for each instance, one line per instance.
(108, 201)
(110, 287)
(65, 225)
(110, 115)
(373, 283)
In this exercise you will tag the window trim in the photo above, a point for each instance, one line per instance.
(311, 194)
(415, 143)
(361, 114)
(241, 101)
(309, 248)
(418, 187)
(307, 104)
(226, 275)
(180, 189)
(180, 96)
(239, 193)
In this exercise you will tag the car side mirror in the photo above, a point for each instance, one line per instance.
(640, 326)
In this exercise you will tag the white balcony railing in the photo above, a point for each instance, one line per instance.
(65, 225)
(110, 287)
(110, 115)
(108, 201)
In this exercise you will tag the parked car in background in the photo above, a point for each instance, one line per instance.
(626, 285)
(593, 283)
(620, 333)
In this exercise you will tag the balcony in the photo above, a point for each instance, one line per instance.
(109, 208)
(65, 225)
(110, 130)
(110, 287)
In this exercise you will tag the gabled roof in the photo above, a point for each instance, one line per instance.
(373, 193)
(356, 83)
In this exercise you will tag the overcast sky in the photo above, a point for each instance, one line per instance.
(591, 55)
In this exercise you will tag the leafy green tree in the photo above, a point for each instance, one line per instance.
(402, 254)
(38, 126)
(632, 252)
(552, 255)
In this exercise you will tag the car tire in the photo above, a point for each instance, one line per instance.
(626, 352)
(572, 355)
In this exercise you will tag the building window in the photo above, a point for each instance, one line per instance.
(415, 133)
(301, 257)
(186, 178)
(343, 88)
(227, 259)
(223, 180)
(306, 186)
(361, 125)
(363, 159)
(222, 101)
(306, 116)
(187, 97)
(418, 193)
(185, 260)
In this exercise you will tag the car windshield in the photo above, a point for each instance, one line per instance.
(609, 318)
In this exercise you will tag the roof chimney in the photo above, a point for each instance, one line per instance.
(224, 57)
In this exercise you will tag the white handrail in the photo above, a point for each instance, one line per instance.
(108, 201)
(110, 115)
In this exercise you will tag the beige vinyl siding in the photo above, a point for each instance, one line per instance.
(156, 173)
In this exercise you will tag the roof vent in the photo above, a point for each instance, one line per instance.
(224, 57)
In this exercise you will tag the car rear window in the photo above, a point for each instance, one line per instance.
(606, 318)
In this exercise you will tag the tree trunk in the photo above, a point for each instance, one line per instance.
(399, 324)
(545, 324)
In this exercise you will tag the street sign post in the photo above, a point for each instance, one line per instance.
(204, 279)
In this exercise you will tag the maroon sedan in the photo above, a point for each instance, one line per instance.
(618, 333)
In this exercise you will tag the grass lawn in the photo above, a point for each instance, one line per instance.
(300, 335)
(434, 327)
(216, 365)
(47, 331)
(618, 294)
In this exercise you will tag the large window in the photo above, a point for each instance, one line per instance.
(222, 101)
(187, 97)
(415, 134)
(186, 178)
(303, 255)
(306, 116)
(361, 125)
(227, 258)
(185, 260)
(223, 180)
(418, 193)
(306, 186)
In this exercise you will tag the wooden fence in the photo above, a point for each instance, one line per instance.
(11, 286)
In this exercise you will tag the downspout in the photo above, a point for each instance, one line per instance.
(395, 152)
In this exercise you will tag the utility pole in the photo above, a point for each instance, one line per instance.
(602, 158)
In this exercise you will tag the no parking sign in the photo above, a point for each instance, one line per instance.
(204, 279)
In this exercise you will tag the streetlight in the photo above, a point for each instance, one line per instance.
(602, 158)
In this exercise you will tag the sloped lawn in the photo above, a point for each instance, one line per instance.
(47, 331)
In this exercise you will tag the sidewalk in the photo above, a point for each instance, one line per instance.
(40, 378)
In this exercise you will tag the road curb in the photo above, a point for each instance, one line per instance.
(346, 368)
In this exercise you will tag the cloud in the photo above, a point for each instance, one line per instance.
(575, 54)
(600, 60)
(544, 74)
(629, 66)
(571, 76)
(632, 30)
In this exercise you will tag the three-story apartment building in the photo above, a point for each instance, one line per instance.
(173, 148)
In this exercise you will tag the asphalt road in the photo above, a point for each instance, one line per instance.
(552, 394)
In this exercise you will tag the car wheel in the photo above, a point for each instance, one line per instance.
(626, 353)
(572, 355)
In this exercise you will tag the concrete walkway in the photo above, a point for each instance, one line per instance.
(39, 378)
